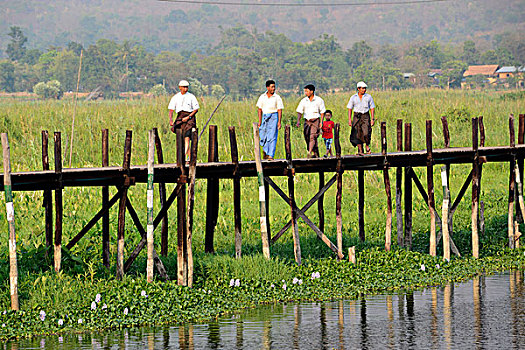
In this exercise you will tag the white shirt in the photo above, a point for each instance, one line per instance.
(270, 104)
(186, 103)
(311, 109)
(361, 105)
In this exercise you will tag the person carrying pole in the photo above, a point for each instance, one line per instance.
(269, 110)
(363, 106)
(186, 106)
(313, 109)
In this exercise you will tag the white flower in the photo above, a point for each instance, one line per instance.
(42, 315)
(60, 339)
(300, 281)
(98, 297)
(104, 306)
(126, 311)
(209, 292)
(143, 293)
(295, 280)
(272, 286)
(80, 321)
(316, 275)
(5, 311)
(422, 267)
(61, 322)
(237, 283)
(93, 306)
(3, 325)
(284, 286)
(437, 266)
(232, 282)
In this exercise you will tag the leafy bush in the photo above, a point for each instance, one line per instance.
(158, 90)
(51, 89)
(217, 91)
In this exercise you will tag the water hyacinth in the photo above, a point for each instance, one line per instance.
(126, 311)
(422, 268)
(42, 315)
(98, 298)
(80, 321)
(272, 285)
(143, 294)
(284, 286)
(316, 275)
(232, 282)
(295, 280)
(93, 306)
(237, 283)
(104, 307)
(437, 266)
(61, 322)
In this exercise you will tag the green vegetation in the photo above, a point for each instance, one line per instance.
(69, 296)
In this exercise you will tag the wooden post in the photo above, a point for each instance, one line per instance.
(105, 200)
(48, 197)
(182, 257)
(162, 197)
(236, 193)
(444, 214)
(262, 197)
(519, 160)
(291, 194)
(191, 203)
(351, 255)
(475, 190)
(517, 235)
(386, 178)
(320, 202)
(122, 205)
(430, 188)
(482, 218)
(361, 190)
(212, 193)
(150, 228)
(446, 139)
(512, 183)
(267, 196)
(519, 186)
(58, 202)
(399, 182)
(408, 189)
(10, 214)
(339, 195)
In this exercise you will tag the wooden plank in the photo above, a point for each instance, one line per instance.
(149, 206)
(475, 192)
(399, 183)
(262, 198)
(291, 193)
(10, 215)
(512, 184)
(430, 186)
(408, 190)
(58, 202)
(162, 197)
(236, 193)
(105, 200)
(191, 202)
(386, 180)
(339, 193)
(48, 196)
(444, 214)
(212, 193)
(122, 207)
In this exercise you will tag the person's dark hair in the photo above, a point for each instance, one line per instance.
(269, 82)
(310, 87)
(328, 111)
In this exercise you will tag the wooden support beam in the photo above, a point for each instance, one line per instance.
(191, 202)
(212, 193)
(430, 186)
(291, 193)
(58, 202)
(149, 205)
(339, 193)
(408, 190)
(236, 193)
(262, 197)
(48, 196)
(162, 197)
(444, 214)
(122, 206)
(475, 192)
(386, 180)
(182, 258)
(105, 200)
(519, 186)
(361, 203)
(320, 202)
(267, 197)
(512, 184)
(519, 160)
(309, 222)
(399, 184)
(10, 214)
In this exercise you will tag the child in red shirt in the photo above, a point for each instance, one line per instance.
(328, 135)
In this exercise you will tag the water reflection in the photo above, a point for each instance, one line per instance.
(485, 313)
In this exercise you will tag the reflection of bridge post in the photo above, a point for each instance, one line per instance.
(214, 335)
(322, 320)
(240, 330)
(364, 334)
(296, 326)
(410, 316)
(186, 337)
(434, 321)
(341, 324)
(166, 337)
(390, 312)
(516, 303)
(267, 335)
(476, 298)
(447, 314)
(151, 341)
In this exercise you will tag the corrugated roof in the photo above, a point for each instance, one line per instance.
(487, 69)
(507, 69)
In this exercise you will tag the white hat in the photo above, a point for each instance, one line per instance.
(361, 84)
(184, 83)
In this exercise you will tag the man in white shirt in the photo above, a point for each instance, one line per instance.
(363, 106)
(185, 106)
(312, 108)
(269, 110)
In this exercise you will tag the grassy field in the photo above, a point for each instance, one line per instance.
(83, 268)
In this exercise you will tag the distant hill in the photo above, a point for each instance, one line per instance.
(173, 26)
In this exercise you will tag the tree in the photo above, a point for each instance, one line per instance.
(453, 73)
(470, 54)
(51, 89)
(158, 90)
(358, 54)
(7, 76)
(16, 49)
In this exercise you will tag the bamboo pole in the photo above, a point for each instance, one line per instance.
(182, 257)
(162, 197)
(408, 190)
(512, 184)
(351, 254)
(444, 214)
(105, 200)
(320, 202)
(122, 205)
(212, 193)
(386, 179)
(475, 190)
(236, 193)
(10, 214)
(291, 193)
(48, 197)
(399, 184)
(519, 160)
(262, 197)
(339, 194)
(58, 202)
(430, 188)
(150, 228)
(191, 203)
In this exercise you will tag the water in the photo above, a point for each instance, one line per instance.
(485, 313)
